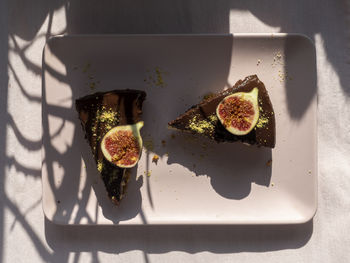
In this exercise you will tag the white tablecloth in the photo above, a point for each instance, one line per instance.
(25, 236)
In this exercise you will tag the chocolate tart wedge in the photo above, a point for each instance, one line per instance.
(202, 118)
(99, 113)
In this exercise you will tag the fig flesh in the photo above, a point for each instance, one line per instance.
(239, 112)
(122, 145)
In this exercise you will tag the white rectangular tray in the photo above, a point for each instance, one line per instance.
(196, 181)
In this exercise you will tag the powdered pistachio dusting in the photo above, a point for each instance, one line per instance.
(201, 125)
(99, 165)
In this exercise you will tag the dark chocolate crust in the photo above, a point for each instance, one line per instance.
(98, 113)
(201, 118)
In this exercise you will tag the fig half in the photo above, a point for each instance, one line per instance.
(122, 145)
(239, 112)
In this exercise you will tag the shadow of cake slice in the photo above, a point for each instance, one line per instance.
(202, 119)
(99, 113)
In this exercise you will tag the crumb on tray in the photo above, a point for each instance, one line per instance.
(269, 162)
(155, 159)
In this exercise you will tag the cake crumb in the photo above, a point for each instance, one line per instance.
(160, 81)
(258, 63)
(283, 76)
(272, 184)
(155, 159)
(148, 173)
(277, 59)
(309, 171)
(269, 162)
(156, 77)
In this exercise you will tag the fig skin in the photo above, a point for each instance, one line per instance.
(135, 131)
(243, 111)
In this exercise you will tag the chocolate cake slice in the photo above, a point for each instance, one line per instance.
(99, 113)
(202, 118)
